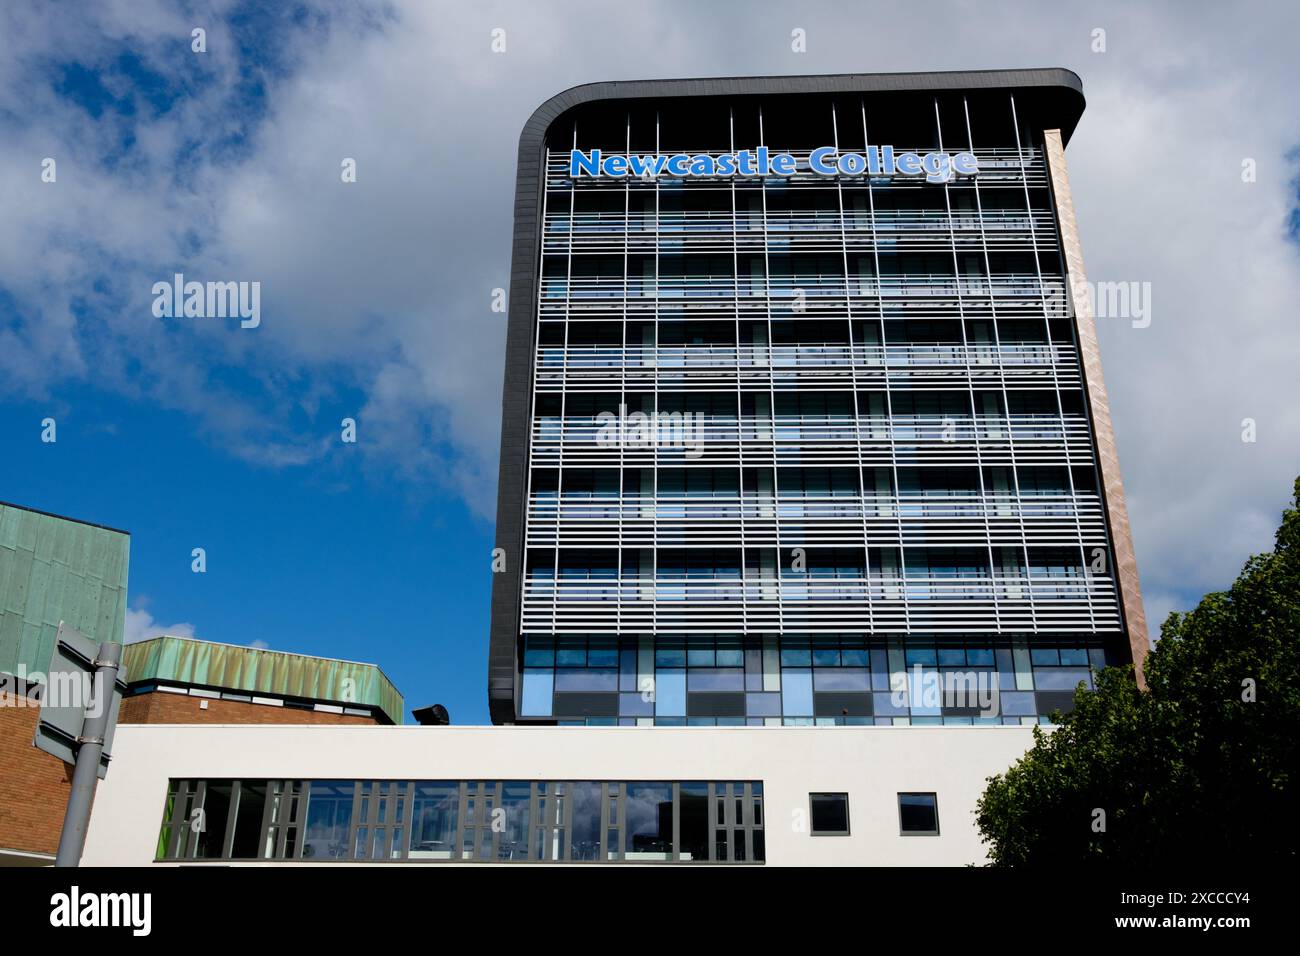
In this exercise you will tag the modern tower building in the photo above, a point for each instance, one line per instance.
(804, 418)
(804, 424)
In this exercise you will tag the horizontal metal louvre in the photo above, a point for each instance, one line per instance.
(898, 604)
(917, 365)
(953, 440)
(784, 231)
(885, 520)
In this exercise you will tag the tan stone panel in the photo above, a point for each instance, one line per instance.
(1126, 573)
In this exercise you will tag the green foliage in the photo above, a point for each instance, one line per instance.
(1192, 770)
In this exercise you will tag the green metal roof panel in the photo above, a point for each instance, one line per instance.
(56, 569)
(252, 670)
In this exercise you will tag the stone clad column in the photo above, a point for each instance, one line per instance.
(1126, 573)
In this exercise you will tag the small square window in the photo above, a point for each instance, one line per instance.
(918, 814)
(830, 814)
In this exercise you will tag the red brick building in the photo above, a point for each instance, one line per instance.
(175, 680)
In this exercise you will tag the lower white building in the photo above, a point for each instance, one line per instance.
(256, 794)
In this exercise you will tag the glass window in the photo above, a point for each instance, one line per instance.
(795, 656)
(854, 657)
(830, 814)
(537, 699)
(602, 654)
(796, 691)
(731, 657)
(515, 804)
(250, 806)
(649, 821)
(669, 655)
(539, 653)
(586, 821)
(842, 678)
(596, 680)
(694, 815)
(434, 820)
(212, 821)
(670, 693)
(329, 817)
(701, 656)
(482, 820)
(918, 814)
(716, 679)
(1061, 678)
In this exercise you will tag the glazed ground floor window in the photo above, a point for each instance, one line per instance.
(502, 821)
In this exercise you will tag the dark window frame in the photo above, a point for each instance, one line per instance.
(812, 823)
(918, 833)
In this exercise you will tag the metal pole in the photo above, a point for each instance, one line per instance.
(90, 746)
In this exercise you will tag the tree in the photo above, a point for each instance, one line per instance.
(1201, 767)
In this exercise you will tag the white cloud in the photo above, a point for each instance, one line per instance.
(377, 293)
(141, 626)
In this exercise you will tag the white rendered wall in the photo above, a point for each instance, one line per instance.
(871, 764)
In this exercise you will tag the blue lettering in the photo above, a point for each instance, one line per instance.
(909, 164)
(783, 164)
(642, 165)
(965, 164)
(580, 163)
(817, 161)
(873, 161)
(937, 166)
(852, 164)
(702, 165)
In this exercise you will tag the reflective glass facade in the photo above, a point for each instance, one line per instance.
(790, 444)
(707, 680)
(489, 821)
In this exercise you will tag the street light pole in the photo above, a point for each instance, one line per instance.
(90, 747)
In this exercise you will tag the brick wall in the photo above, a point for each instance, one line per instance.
(33, 785)
(160, 707)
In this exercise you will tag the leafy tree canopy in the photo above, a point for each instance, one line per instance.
(1198, 768)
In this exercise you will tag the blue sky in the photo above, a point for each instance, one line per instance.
(300, 562)
(376, 295)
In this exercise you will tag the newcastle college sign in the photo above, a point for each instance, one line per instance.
(936, 167)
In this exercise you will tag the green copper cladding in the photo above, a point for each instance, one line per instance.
(179, 660)
(55, 569)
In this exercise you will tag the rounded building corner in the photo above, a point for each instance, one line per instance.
(549, 110)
